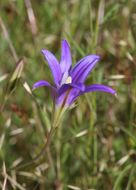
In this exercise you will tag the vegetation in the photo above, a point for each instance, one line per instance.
(95, 147)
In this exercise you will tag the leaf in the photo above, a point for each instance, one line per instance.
(14, 79)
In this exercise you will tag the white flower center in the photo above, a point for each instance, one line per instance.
(66, 79)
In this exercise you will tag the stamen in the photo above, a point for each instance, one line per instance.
(69, 80)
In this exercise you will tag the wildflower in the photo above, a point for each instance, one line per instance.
(69, 83)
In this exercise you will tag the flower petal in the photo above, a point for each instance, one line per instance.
(67, 87)
(72, 96)
(83, 68)
(54, 66)
(99, 87)
(94, 87)
(67, 91)
(40, 84)
(66, 60)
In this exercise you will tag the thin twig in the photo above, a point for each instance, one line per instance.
(5, 177)
(31, 17)
(44, 149)
(15, 183)
(6, 35)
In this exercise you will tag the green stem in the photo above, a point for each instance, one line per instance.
(58, 161)
(44, 149)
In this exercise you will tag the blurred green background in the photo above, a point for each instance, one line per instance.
(96, 148)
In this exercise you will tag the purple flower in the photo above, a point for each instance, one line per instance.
(68, 81)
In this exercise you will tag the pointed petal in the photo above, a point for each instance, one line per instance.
(66, 60)
(72, 96)
(94, 87)
(54, 66)
(67, 87)
(40, 84)
(67, 92)
(83, 68)
(99, 87)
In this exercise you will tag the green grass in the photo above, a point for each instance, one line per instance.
(103, 158)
